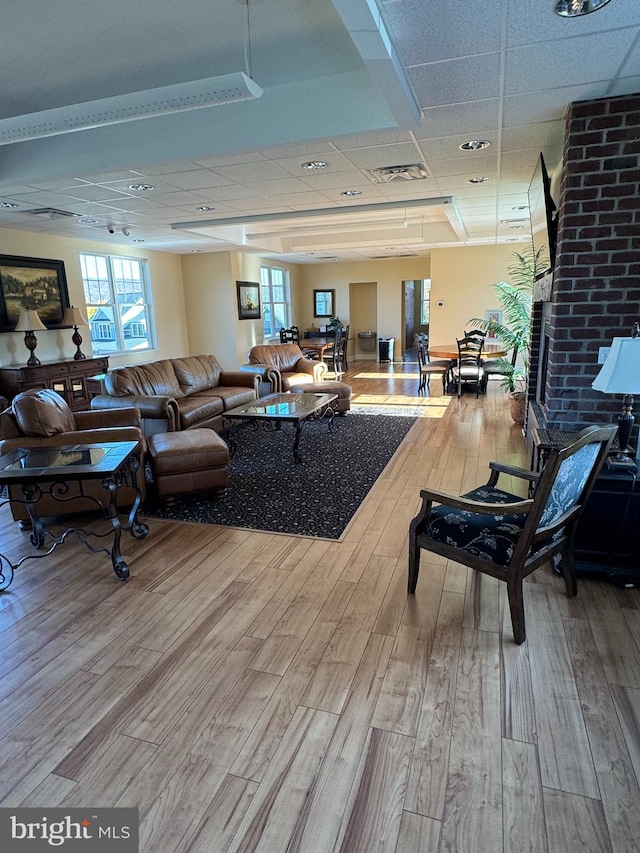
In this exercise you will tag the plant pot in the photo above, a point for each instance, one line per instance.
(517, 405)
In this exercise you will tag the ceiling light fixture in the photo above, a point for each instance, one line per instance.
(314, 164)
(164, 100)
(206, 207)
(141, 188)
(7, 205)
(138, 240)
(86, 221)
(351, 193)
(475, 145)
(575, 8)
(131, 106)
(480, 180)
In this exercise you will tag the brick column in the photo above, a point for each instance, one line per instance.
(596, 290)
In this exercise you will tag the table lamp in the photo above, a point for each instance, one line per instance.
(74, 317)
(28, 321)
(620, 374)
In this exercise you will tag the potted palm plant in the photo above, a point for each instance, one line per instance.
(514, 329)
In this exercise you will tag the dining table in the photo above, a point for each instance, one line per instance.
(316, 345)
(489, 350)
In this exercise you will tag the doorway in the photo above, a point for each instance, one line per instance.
(363, 317)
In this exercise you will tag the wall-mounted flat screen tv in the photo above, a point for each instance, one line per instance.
(544, 225)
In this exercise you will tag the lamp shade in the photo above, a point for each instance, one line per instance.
(620, 374)
(74, 317)
(29, 321)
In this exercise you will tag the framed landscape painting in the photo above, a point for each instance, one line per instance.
(35, 284)
(248, 300)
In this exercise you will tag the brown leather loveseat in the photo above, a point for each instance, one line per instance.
(39, 418)
(178, 393)
(284, 365)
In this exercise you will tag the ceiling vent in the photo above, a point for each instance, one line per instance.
(388, 174)
(51, 213)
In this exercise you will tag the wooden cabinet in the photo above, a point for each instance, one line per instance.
(67, 378)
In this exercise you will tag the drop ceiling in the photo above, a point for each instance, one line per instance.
(357, 85)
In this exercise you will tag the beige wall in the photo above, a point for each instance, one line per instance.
(195, 305)
(387, 275)
(168, 298)
(462, 279)
(212, 307)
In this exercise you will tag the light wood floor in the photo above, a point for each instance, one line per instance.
(258, 692)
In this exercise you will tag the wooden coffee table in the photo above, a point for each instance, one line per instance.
(276, 409)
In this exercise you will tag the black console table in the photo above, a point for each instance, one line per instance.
(608, 535)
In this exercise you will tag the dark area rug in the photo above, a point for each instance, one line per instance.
(317, 497)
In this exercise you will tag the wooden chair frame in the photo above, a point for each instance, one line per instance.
(536, 544)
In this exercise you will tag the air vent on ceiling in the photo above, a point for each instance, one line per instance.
(393, 255)
(52, 213)
(387, 174)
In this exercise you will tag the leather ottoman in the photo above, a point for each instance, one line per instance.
(331, 386)
(193, 460)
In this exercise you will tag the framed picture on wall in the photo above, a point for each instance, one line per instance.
(248, 300)
(33, 284)
(493, 317)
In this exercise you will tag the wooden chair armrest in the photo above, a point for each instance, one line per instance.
(523, 473)
(456, 502)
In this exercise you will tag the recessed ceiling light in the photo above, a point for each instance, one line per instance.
(141, 188)
(481, 180)
(196, 251)
(475, 145)
(8, 205)
(519, 207)
(575, 8)
(138, 240)
(351, 193)
(314, 164)
(87, 221)
(206, 207)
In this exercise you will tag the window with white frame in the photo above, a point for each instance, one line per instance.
(276, 300)
(118, 297)
(425, 301)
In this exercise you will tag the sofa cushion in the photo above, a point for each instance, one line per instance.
(291, 379)
(197, 373)
(233, 396)
(154, 378)
(284, 357)
(42, 412)
(196, 409)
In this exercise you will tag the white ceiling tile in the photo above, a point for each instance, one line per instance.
(401, 154)
(440, 29)
(534, 21)
(469, 117)
(469, 79)
(578, 60)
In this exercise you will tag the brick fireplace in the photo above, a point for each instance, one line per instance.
(594, 293)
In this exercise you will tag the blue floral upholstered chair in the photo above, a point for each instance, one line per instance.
(511, 541)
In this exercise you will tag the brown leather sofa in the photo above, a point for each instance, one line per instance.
(178, 393)
(41, 417)
(284, 365)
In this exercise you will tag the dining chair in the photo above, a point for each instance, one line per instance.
(335, 354)
(505, 535)
(428, 367)
(468, 369)
(290, 336)
(499, 366)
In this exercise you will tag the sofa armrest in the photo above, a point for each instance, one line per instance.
(238, 378)
(150, 406)
(105, 418)
(267, 375)
(314, 368)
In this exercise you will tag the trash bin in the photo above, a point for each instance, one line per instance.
(385, 349)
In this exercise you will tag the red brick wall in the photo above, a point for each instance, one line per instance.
(596, 289)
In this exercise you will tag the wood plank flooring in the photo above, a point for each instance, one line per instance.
(251, 691)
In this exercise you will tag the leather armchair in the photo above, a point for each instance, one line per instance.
(41, 417)
(284, 365)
